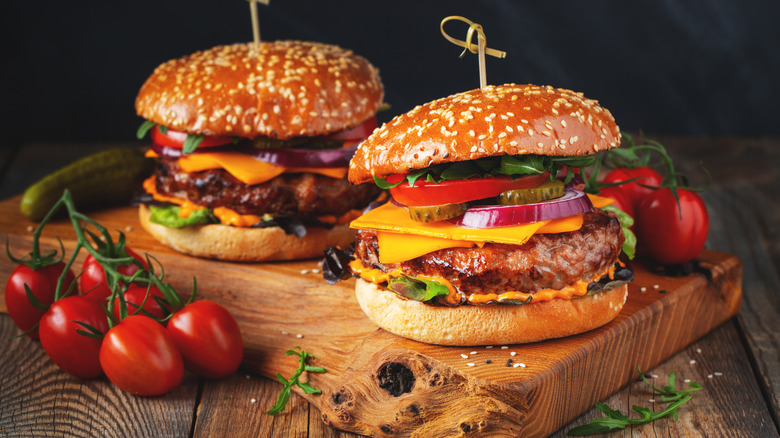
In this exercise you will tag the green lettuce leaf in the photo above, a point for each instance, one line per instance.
(169, 217)
(626, 221)
(417, 288)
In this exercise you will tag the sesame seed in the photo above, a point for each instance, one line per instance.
(304, 271)
(643, 289)
(687, 380)
(473, 352)
(517, 365)
(470, 364)
(284, 332)
(655, 286)
(718, 373)
(652, 400)
(299, 336)
(504, 347)
(698, 350)
(253, 400)
(709, 376)
(30, 228)
(489, 346)
(464, 356)
(514, 353)
(692, 362)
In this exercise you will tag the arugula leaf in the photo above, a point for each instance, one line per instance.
(169, 217)
(617, 420)
(307, 388)
(191, 142)
(626, 221)
(417, 288)
(510, 165)
(145, 127)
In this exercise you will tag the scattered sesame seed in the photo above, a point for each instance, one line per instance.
(128, 229)
(513, 353)
(299, 336)
(522, 365)
(30, 228)
(253, 400)
(470, 364)
(643, 289)
(473, 352)
(687, 380)
(315, 271)
(718, 373)
(698, 350)
(517, 365)
(655, 286)
(464, 356)
(489, 347)
(709, 376)
(692, 362)
(654, 376)
(652, 400)
(504, 347)
(284, 332)
(304, 271)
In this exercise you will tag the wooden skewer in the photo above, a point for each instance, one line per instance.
(481, 48)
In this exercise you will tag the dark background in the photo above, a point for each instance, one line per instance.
(71, 70)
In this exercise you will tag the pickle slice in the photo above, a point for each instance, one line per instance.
(432, 213)
(543, 192)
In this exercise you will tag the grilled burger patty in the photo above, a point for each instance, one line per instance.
(545, 261)
(300, 194)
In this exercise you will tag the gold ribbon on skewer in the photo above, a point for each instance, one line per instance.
(481, 49)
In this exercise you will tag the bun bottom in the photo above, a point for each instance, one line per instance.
(489, 324)
(224, 242)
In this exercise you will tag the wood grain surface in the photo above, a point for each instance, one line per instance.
(738, 363)
(281, 305)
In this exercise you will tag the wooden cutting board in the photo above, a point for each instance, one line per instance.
(382, 385)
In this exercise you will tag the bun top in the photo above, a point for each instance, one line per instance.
(498, 120)
(281, 89)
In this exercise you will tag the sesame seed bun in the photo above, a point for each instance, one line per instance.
(224, 242)
(488, 324)
(506, 119)
(281, 89)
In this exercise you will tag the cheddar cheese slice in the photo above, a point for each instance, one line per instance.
(401, 238)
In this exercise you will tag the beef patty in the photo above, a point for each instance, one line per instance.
(299, 194)
(545, 261)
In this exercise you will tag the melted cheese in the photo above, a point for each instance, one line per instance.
(247, 169)
(401, 238)
(224, 214)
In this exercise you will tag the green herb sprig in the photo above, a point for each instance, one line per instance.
(617, 420)
(294, 380)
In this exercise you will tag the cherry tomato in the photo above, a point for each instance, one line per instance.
(635, 192)
(175, 139)
(139, 356)
(622, 201)
(209, 339)
(135, 295)
(92, 281)
(75, 353)
(455, 191)
(358, 133)
(671, 235)
(42, 283)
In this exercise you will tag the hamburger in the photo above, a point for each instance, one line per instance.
(252, 145)
(488, 237)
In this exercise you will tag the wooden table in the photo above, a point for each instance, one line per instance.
(738, 363)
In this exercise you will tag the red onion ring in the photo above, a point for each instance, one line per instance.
(493, 216)
(325, 158)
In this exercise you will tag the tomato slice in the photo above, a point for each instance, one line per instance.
(358, 133)
(463, 190)
(175, 139)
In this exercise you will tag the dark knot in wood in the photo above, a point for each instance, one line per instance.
(395, 378)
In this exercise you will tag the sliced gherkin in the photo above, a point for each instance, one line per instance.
(543, 192)
(432, 213)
